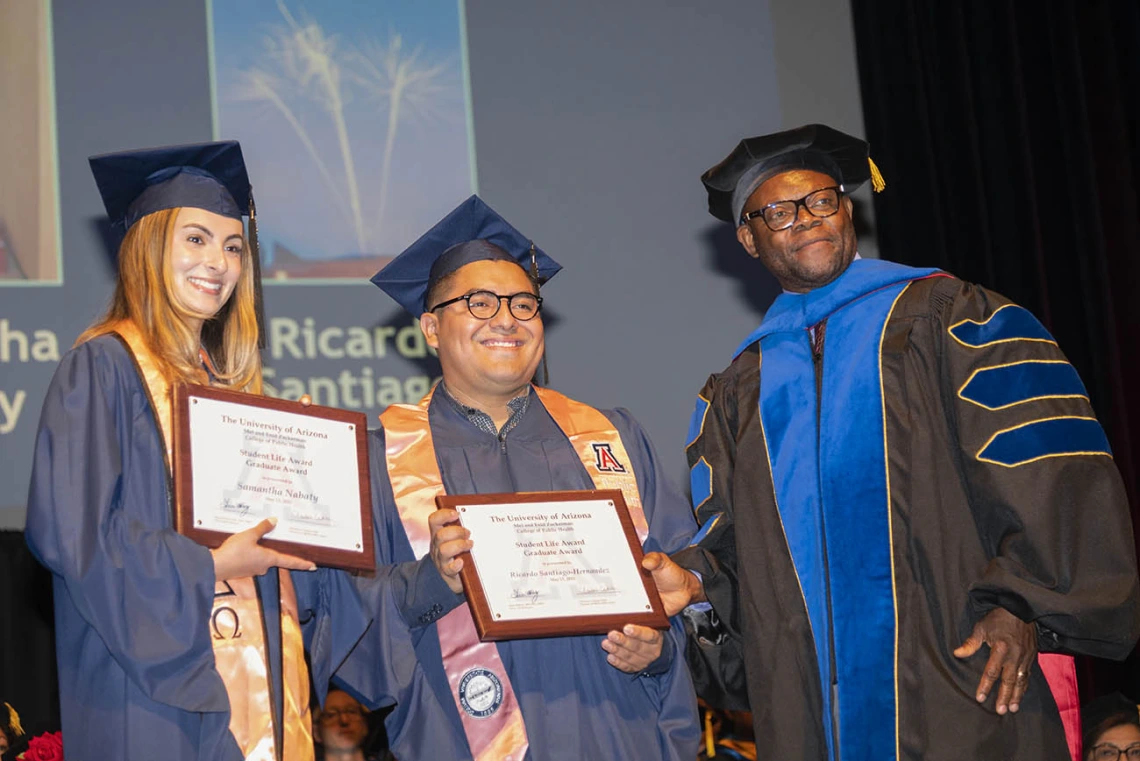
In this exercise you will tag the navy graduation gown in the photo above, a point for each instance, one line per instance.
(575, 705)
(132, 597)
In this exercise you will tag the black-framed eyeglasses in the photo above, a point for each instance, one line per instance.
(781, 215)
(484, 305)
(1109, 752)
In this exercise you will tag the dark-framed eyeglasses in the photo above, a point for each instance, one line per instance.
(334, 714)
(483, 305)
(781, 215)
(1109, 752)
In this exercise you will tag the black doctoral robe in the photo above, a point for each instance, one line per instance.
(949, 464)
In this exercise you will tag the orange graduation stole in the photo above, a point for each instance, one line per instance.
(488, 708)
(236, 631)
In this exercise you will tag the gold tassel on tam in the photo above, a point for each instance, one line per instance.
(14, 720)
(877, 181)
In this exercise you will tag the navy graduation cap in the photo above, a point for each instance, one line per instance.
(813, 146)
(472, 232)
(210, 176)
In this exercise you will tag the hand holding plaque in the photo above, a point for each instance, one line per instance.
(243, 555)
(449, 541)
(241, 458)
(546, 564)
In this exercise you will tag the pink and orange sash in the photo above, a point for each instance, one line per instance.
(484, 697)
(236, 630)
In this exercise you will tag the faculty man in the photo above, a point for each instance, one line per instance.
(905, 493)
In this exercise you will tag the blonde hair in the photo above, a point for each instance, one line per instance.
(143, 295)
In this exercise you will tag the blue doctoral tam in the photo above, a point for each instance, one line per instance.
(472, 232)
(210, 176)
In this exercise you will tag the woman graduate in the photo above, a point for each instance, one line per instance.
(166, 649)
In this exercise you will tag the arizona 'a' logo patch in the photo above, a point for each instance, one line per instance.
(605, 461)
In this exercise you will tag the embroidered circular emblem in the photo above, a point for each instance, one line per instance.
(480, 693)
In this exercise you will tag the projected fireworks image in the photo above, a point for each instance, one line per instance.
(355, 120)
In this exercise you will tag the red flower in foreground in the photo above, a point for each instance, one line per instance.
(46, 747)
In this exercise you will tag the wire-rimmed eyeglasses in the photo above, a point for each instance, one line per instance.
(484, 305)
(781, 215)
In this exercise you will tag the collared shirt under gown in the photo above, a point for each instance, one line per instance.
(576, 706)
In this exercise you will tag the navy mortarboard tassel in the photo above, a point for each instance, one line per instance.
(255, 256)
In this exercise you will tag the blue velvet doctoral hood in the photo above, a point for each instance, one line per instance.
(829, 471)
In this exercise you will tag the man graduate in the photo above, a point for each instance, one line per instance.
(485, 428)
(906, 493)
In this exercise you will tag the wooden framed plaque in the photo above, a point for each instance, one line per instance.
(553, 564)
(240, 458)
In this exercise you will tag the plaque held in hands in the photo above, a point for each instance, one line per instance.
(552, 564)
(240, 458)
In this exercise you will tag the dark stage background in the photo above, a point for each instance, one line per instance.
(1009, 133)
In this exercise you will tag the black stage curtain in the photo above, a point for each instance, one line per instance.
(27, 641)
(1009, 136)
